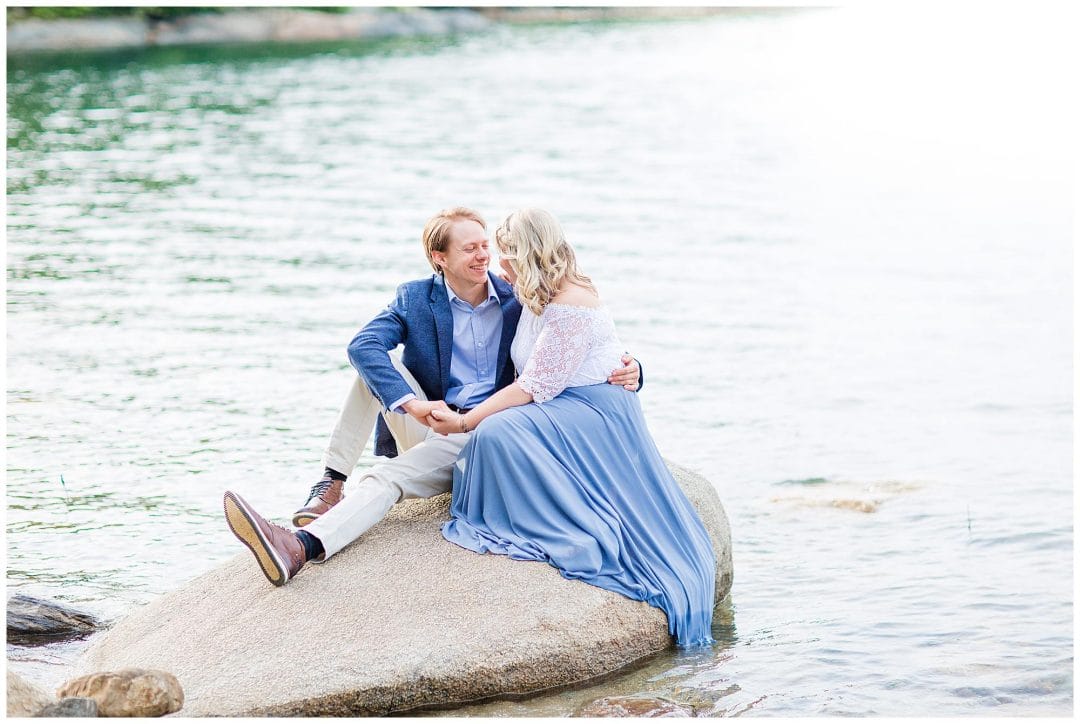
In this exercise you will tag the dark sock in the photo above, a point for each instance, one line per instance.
(312, 545)
(334, 474)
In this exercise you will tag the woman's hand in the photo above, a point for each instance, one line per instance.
(445, 422)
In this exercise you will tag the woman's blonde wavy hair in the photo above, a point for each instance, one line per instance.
(533, 241)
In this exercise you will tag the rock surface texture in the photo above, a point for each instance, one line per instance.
(399, 620)
(25, 698)
(128, 692)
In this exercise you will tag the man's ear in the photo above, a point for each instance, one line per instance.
(439, 257)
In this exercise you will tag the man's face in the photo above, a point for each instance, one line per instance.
(465, 261)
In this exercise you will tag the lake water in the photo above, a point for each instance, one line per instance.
(839, 241)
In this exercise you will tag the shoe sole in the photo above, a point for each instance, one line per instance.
(301, 519)
(242, 523)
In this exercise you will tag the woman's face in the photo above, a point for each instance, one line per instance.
(511, 275)
(504, 255)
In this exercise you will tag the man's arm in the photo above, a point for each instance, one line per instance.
(369, 351)
(629, 375)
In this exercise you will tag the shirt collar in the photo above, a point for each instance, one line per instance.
(492, 294)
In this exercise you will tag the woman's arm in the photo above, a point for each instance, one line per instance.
(446, 421)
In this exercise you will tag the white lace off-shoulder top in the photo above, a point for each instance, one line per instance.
(565, 346)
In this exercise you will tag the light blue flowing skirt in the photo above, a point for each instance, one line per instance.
(578, 482)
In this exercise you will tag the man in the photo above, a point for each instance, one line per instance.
(456, 328)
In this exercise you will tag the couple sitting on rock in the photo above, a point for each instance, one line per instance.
(506, 396)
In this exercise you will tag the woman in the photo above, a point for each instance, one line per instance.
(567, 472)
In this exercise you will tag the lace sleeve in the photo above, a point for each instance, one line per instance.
(560, 349)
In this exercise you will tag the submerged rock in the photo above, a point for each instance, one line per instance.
(35, 621)
(402, 619)
(634, 706)
(25, 698)
(75, 706)
(128, 692)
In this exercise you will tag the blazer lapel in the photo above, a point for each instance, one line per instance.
(511, 310)
(444, 329)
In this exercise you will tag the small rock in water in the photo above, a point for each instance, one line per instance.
(634, 706)
(33, 620)
(129, 692)
(862, 506)
(858, 505)
(25, 698)
(79, 706)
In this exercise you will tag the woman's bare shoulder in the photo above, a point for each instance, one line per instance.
(573, 295)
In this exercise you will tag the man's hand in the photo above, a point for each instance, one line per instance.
(628, 375)
(421, 410)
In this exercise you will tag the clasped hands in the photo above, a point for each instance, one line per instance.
(439, 417)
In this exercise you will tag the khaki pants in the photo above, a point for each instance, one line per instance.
(423, 468)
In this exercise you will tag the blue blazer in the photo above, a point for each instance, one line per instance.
(420, 319)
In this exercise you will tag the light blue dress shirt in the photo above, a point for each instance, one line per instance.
(477, 334)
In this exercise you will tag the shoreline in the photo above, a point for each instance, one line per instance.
(296, 25)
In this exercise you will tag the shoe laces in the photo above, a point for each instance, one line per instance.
(319, 488)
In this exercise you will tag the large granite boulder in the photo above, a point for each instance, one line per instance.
(400, 620)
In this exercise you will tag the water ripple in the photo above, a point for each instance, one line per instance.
(861, 338)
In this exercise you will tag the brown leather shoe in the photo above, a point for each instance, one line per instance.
(279, 552)
(326, 494)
